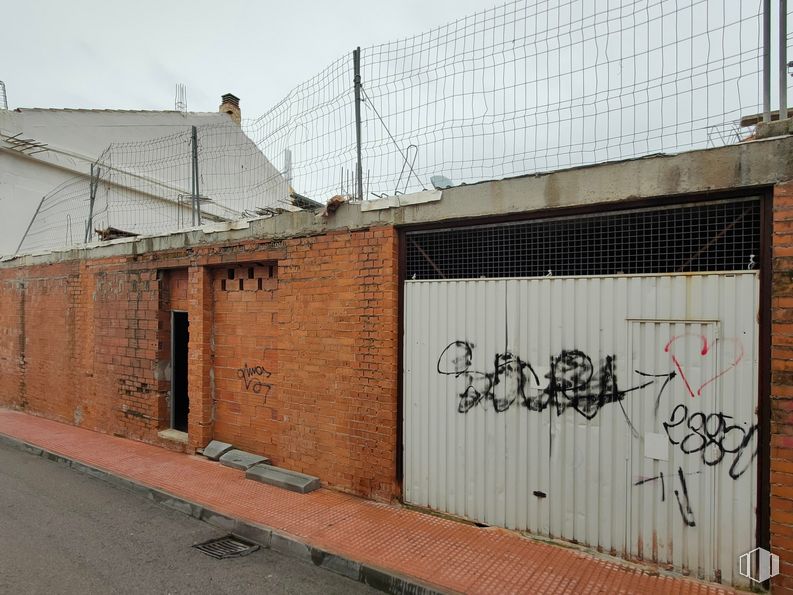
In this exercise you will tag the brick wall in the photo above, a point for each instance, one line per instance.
(126, 322)
(39, 351)
(782, 388)
(292, 353)
(305, 358)
(12, 338)
(292, 350)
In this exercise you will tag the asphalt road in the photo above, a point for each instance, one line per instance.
(65, 532)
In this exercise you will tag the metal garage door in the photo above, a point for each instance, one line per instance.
(616, 411)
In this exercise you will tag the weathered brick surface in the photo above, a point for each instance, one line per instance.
(292, 350)
(782, 387)
(12, 338)
(306, 361)
(200, 357)
(38, 365)
(126, 348)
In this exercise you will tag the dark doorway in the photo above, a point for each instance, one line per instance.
(180, 403)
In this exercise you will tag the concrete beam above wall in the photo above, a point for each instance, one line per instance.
(741, 166)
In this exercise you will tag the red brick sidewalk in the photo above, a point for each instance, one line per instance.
(447, 555)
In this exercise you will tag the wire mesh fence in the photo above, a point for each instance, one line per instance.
(530, 86)
(716, 236)
(59, 219)
(146, 187)
(310, 134)
(235, 179)
(526, 87)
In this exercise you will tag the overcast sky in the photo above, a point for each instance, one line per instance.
(101, 54)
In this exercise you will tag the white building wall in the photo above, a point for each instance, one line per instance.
(76, 138)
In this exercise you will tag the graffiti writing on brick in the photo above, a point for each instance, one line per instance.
(253, 379)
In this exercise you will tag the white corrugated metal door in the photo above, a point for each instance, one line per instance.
(615, 411)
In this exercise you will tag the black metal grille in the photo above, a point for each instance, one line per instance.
(719, 236)
(229, 546)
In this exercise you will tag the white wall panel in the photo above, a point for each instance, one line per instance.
(618, 412)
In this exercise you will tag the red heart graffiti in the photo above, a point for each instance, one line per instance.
(705, 350)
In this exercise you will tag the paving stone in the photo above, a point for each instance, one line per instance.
(492, 560)
(216, 449)
(239, 459)
(283, 478)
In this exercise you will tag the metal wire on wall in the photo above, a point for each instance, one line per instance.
(146, 187)
(526, 87)
(530, 86)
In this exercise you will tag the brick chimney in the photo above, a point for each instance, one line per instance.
(230, 104)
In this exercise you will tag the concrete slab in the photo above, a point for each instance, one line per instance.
(173, 436)
(239, 459)
(283, 478)
(216, 449)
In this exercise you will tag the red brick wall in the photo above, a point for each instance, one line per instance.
(126, 323)
(305, 358)
(40, 359)
(248, 410)
(12, 322)
(782, 388)
(178, 297)
(88, 343)
(50, 353)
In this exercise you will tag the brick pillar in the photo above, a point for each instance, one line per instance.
(782, 388)
(199, 363)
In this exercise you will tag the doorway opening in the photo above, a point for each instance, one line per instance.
(180, 403)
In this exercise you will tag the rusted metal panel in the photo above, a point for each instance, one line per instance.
(617, 412)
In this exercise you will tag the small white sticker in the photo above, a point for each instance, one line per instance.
(656, 446)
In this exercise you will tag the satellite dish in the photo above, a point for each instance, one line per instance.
(440, 182)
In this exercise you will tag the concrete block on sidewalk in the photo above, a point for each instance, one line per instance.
(216, 449)
(283, 478)
(290, 546)
(239, 459)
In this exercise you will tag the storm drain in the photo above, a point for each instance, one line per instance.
(226, 547)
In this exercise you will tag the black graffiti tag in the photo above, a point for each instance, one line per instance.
(572, 382)
(509, 371)
(251, 378)
(714, 436)
(683, 502)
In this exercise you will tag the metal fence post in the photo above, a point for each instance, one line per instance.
(196, 193)
(783, 59)
(27, 231)
(766, 60)
(356, 61)
(92, 185)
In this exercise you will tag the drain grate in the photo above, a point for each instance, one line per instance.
(226, 547)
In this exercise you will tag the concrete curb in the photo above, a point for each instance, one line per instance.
(375, 577)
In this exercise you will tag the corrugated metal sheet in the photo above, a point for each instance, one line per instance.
(617, 412)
